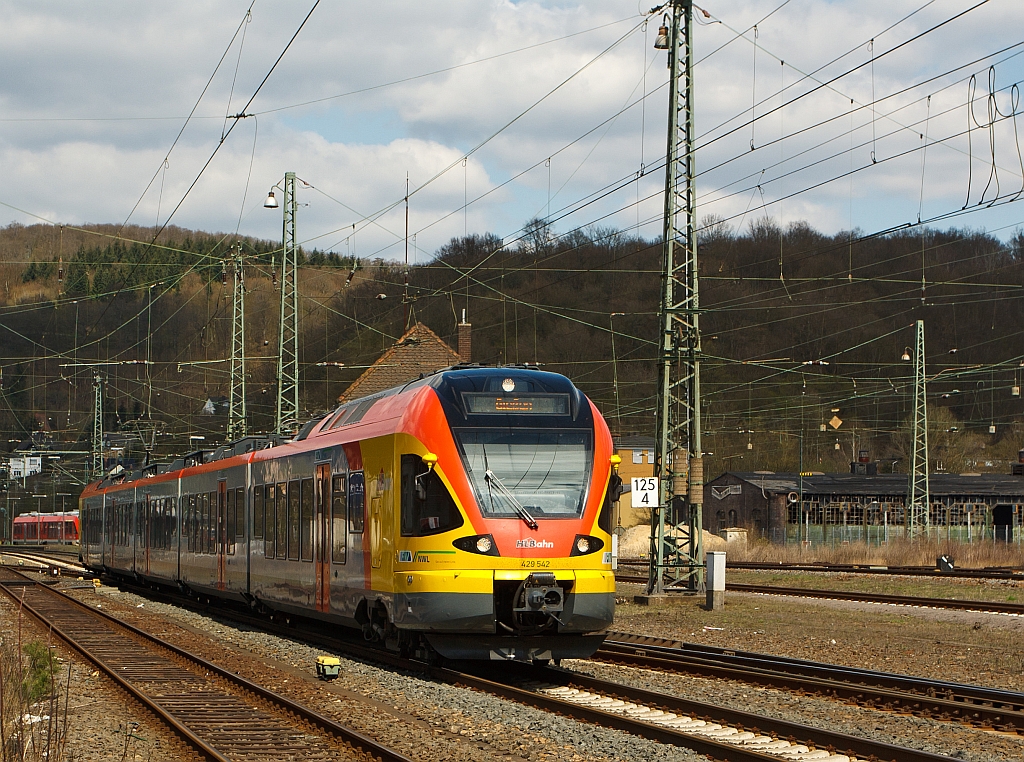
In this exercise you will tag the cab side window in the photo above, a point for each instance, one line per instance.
(356, 501)
(427, 506)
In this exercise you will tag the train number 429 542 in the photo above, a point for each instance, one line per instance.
(534, 563)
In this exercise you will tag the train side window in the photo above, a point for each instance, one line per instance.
(338, 519)
(240, 512)
(427, 506)
(257, 512)
(271, 520)
(230, 517)
(604, 518)
(293, 520)
(306, 521)
(190, 527)
(356, 501)
(212, 527)
(173, 503)
(282, 520)
(197, 523)
(209, 516)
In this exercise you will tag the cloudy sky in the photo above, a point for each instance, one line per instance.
(546, 99)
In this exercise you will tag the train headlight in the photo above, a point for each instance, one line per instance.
(585, 544)
(477, 543)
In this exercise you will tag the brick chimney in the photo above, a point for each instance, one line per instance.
(465, 339)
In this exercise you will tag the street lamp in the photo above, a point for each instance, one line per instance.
(271, 202)
(906, 354)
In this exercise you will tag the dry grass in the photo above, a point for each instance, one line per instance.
(897, 552)
(33, 701)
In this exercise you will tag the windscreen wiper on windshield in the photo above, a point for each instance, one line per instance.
(524, 514)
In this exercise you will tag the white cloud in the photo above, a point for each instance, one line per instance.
(99, 78)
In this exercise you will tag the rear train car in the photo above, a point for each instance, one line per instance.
(468, 513)
(45, 528)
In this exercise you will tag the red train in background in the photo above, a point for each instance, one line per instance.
(46, 529)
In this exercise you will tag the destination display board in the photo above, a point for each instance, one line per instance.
(517, 404)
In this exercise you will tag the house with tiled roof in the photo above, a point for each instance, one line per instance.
(419, 351)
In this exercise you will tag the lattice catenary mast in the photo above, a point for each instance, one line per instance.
(97, 426)
(288, 337)
(918, 496)
(236, 403)
(678, 455)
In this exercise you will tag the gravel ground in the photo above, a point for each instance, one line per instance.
(966, 647)
(99, 713)
(998, 590)
(425, 719)
(952, 740)
(418, 717)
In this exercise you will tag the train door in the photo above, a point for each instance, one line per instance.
(222, 532)
(322, 536)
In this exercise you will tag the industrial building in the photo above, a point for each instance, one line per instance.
(863, 505)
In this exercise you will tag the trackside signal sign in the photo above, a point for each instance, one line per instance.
(643, 492)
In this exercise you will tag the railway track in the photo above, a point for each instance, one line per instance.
(957, 604)
(221, 716)
(985, 708)
(721, 733)
(909, 571)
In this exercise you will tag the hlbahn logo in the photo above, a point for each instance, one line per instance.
(532, 543)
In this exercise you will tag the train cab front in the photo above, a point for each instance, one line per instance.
(528, 575)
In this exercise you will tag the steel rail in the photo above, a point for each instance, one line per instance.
(1010, 573)
(356, 740)
(908, 571)
(504, 685)
(985, 708)
(958, 604)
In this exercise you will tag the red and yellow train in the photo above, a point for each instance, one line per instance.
(468, 513)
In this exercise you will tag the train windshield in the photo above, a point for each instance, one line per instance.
(545, 472)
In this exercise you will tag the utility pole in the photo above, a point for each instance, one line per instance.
(288, 336)
(236, 404)
(918, 497)
(97, 426)
(679, 460)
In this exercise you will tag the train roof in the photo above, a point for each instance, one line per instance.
(362, 417)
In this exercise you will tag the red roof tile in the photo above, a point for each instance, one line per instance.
(419, 351)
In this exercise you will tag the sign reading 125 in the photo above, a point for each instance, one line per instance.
(643, 492)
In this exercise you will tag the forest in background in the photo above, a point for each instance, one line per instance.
(798, 327)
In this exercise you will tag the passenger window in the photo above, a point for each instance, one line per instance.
(427, 506)
(306, 521)
(269, 491)
(282, 520)
(338, 522)
(230, 516)
(293, 520)
(240, 512)
(356, 501)
(257, 512)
